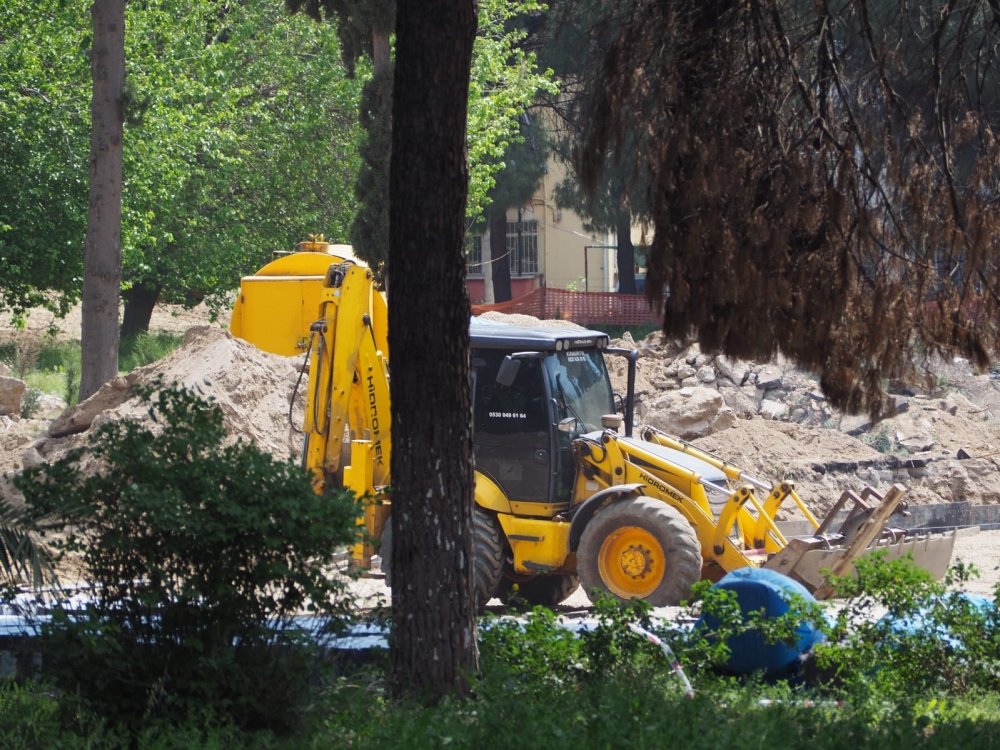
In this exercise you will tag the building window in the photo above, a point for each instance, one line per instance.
(523, 247)
(474, 254)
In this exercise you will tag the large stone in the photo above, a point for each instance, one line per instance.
(686, 371)
(735, 370)
(772, 409)
(690, 413)
(769, 377)
(12, 392)
(78, 418)
(918, 443)
(702, 360)
(855, 424)
(743, 406)
(706, 374)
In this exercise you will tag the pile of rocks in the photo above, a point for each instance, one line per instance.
(772, 419)
(689, 393)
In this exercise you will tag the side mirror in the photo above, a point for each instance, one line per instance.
(508, 371)
(567, 425)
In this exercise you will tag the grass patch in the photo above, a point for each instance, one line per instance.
(146, 348)
(52, 366)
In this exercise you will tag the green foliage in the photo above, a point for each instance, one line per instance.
(369, 233)
(239, 139)
(30, 403)
(145, 348)
(24, 556)
(56, 369)
(535, 652)
(200, 555)
(902, 635)
(883, 441)
(504, 82)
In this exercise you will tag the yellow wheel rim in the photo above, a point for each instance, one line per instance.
(631, 563)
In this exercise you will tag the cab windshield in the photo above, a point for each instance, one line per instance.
(580, 386)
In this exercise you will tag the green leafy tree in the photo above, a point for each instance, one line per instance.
(199, 555)
(256, 117)
(364, 27)
(44, 131)
(239, 138)
(504, 82)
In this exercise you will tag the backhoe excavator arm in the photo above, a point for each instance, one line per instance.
(348, 392)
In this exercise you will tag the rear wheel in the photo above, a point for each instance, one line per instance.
(487, 556)
(385, 552)
(547, 591)
(640, 548)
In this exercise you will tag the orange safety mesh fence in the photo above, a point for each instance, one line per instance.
(583, 308)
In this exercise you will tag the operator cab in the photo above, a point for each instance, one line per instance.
(535, 390)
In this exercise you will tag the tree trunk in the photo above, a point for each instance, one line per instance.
(139, 303)
(626, 253)
(102, 255)
(380, 49)
(498, 250)
(434, 628)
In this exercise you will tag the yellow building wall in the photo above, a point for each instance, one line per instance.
(569, 256)
(573, 257)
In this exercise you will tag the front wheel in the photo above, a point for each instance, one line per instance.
(640, 548)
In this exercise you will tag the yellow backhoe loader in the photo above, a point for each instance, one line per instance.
(565, 494)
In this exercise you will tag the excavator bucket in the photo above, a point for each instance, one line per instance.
(814, 560)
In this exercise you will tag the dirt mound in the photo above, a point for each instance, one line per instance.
(253, 389)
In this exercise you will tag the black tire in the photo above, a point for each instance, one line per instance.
(487, 556)
(385, 552)
(640, 548)
(547, 591)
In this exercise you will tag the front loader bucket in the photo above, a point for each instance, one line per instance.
(814, 560)
(807, 560)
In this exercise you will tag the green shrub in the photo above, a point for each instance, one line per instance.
(31, 403)
(200, 556)
(901, 636)
(884, 442)
(56, 356)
